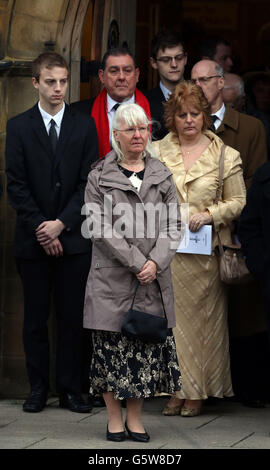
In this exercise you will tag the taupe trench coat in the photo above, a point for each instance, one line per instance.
(116, 257)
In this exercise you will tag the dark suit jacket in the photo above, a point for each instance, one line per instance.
(84, 106)
(247, 135)
(254, 225)
(42, 186)
(156, 100)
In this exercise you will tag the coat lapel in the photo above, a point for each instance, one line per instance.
(231, 119)
(171, 155)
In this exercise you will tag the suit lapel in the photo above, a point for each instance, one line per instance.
(40, 130)
(159, 94)
(67, 127)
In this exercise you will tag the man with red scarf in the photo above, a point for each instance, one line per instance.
(119, 75)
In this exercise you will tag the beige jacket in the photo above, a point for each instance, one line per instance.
(117, 258)
(199, 185)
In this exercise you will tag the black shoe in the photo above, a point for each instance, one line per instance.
(36, 401)
(137, 436)
(74, 403)
(96, 402)
(116, 436)
(253, 403)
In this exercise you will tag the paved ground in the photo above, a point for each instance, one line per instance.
(225, 425)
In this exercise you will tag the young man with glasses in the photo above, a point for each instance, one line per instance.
(169, 58)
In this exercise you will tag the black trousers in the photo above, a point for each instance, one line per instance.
(62, 280)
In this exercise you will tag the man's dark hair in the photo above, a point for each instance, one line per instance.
(208, 46)
(116, 52)
(48, 60)
(164, 39)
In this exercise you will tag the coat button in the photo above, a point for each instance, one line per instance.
(97, 265)
(58, 184)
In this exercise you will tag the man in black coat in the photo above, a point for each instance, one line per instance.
(169, 58)
(49, 151)
(254, 231)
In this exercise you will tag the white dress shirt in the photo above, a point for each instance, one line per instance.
(111, 111)
(167, 93)
(220, 116)
(57, 118)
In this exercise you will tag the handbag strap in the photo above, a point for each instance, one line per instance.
(138, 284)
(220, 176)
(219, 188)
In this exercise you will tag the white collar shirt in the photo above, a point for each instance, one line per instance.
(47, 118)
(167, 93)
(220, 116)
(110, 104)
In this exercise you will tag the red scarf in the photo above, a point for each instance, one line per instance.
(99, 113)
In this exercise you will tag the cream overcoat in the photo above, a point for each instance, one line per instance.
(199, 185)
(201, 332)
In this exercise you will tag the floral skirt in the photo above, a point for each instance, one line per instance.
(132, 369)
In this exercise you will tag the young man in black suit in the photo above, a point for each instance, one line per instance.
(169, 58)
(49, 151)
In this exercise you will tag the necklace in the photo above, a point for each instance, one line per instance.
(186, 153)
(193, 149)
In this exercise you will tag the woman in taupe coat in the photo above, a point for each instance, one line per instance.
(131, 243)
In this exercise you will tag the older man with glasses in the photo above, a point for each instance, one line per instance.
(169, 58)
(244, 133)
(246, 318)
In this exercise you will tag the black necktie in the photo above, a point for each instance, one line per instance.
(116, 106)
(53, 135)
(213, 119)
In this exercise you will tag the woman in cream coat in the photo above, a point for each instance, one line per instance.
(192, 153)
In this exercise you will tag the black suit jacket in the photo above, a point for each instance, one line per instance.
(42, 186)
(254, 225)
(84, 106)
(156, 100)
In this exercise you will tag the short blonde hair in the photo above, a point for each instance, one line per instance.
(131, 114)
(186, 92)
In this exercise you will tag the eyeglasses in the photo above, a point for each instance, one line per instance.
(205, 79)
(132, 130)
(169, 59)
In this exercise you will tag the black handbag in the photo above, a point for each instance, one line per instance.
(145, 326)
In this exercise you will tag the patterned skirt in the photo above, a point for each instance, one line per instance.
(132, 369)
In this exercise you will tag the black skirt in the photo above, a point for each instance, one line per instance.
(132, 369)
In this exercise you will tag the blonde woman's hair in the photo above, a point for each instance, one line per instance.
(186, 92)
